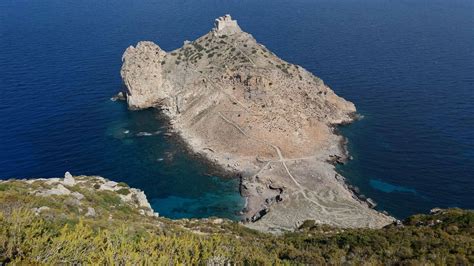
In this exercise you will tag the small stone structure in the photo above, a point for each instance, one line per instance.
(225, 25)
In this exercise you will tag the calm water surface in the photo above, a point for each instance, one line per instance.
(407, 65)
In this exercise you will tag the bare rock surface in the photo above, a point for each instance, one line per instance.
(69, 179)
(58, 190)
(250, 112)
(90, 212)
(70, 187)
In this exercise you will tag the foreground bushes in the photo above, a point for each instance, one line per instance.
(444, 238)
(59, 229)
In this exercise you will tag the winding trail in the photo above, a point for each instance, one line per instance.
(248, 57)
(281, 159)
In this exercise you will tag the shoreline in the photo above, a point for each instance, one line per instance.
(249, 114)
(177, 138)
(212, 167)
(221, 171)
(343, 145)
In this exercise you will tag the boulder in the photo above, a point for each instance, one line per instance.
(69, 179)
(59, 190)
(90, 212)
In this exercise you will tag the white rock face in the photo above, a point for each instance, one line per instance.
(59, 190)
(218, 221)
(132, 197)
(69, 180)
(52, 181)
(90, 212)
(109, 185)
(77, 195)
(142, 200)
(145, 88)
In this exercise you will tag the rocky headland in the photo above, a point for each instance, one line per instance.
(268, 121)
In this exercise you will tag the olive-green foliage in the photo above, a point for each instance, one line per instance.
(122, 184)
(4, 187)
(27, 238)
(198, 46)
(120, 235)
(123, 191)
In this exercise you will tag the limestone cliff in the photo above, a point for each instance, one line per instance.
(242, 107)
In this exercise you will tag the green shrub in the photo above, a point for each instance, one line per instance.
(122, 184)
(119, 234)
(123, 191)
(4, 187)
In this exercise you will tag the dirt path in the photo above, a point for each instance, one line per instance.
(281, 160)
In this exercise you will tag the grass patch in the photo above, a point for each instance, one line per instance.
(123, 191)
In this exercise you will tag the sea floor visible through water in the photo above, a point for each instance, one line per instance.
(407, 65)
(177, 183)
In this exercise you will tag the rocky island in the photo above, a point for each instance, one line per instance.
(253, 114)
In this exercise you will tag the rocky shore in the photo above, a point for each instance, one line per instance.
(270, 122)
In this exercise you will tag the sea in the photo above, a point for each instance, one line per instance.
(408, 65)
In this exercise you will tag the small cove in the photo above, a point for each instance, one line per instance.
(407, 66)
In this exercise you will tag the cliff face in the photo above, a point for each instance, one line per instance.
(242, 107)
(142, 74)
(92, 197)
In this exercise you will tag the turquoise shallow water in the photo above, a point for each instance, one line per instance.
(407, 65)
(177, 184)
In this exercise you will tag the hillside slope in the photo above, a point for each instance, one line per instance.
(91, 220)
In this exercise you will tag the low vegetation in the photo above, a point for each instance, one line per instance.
(118, 234)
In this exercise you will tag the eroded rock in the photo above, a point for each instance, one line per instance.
(90, 212)
(58, 190)
(69, 179)
(258, 116)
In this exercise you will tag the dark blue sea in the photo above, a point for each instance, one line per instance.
(408, 65)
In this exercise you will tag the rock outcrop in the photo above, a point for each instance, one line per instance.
(243, 108)
(142, 75)
(79, 191)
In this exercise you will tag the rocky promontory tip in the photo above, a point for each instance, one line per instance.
(250, 112)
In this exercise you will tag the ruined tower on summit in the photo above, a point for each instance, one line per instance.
(225, 25)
